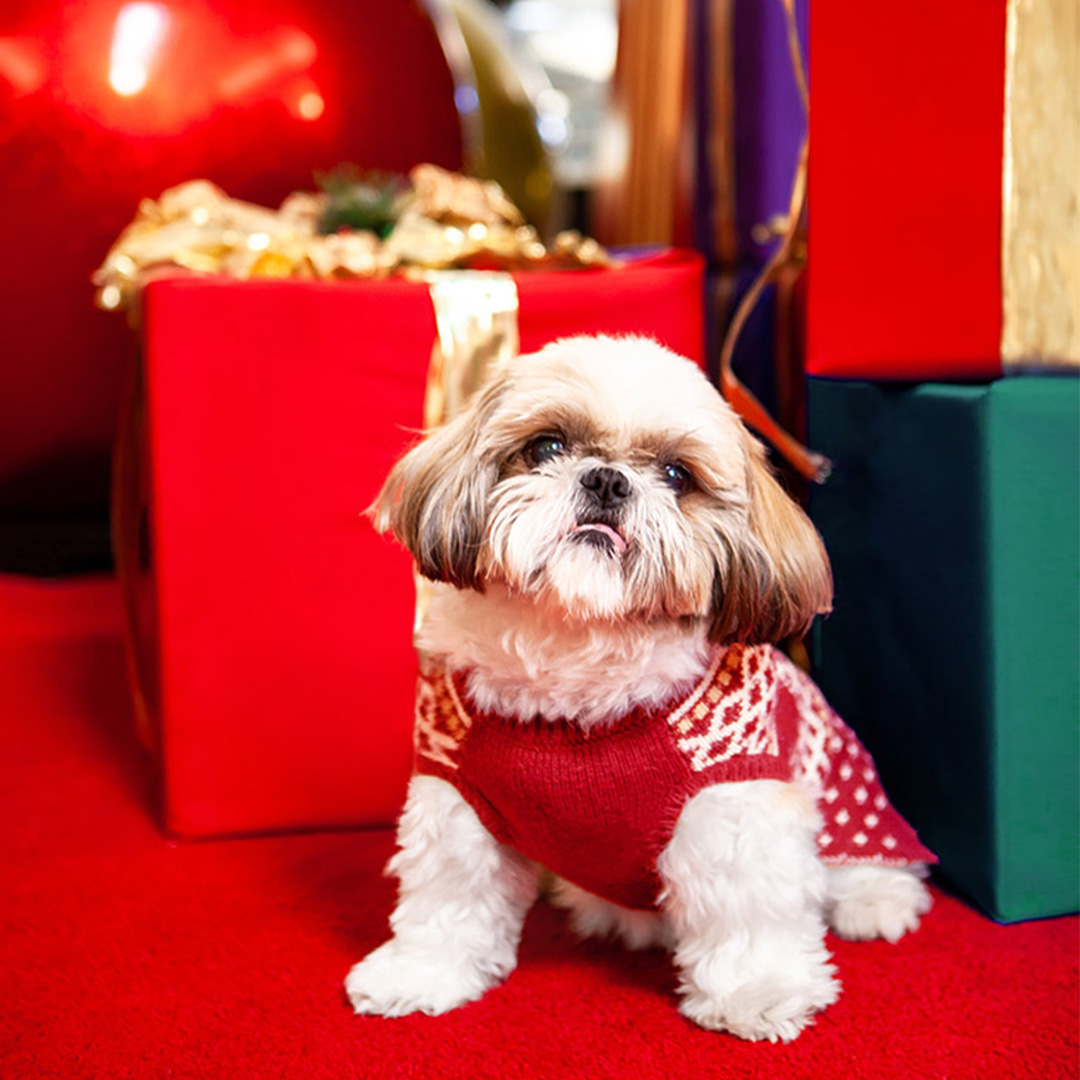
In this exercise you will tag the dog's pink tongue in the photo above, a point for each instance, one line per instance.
(606, 530)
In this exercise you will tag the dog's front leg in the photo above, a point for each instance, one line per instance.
(461, 906)
(745, 892)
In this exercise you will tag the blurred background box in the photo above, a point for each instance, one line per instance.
(953, 523)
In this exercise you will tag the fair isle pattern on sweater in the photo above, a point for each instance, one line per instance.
(729, 712)
(568, 799)
(442, 721)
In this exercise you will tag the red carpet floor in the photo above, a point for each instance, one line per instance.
(124, 955)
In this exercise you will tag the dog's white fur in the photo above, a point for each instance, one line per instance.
(553, 626)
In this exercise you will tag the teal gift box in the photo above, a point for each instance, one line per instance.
(953, 522)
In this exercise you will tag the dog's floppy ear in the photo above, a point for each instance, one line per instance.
(777, 577)
(435, 498)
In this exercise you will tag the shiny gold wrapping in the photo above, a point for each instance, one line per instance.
(1040, 246)
(476, 319)
(444, 220)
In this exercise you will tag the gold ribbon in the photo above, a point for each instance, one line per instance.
(1040, 220)
(476, 323)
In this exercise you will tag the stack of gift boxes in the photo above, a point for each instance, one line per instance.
(944, 388)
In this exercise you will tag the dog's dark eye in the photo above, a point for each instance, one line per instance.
(677, 477)
(543, 448)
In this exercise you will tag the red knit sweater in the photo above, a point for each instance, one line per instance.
(598, 807)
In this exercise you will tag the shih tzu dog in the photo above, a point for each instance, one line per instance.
(601, 706)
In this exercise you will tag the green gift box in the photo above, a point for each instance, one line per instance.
(953, 522)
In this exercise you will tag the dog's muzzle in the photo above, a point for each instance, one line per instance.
(605, 491)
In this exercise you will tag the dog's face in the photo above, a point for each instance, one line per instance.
(608, 477)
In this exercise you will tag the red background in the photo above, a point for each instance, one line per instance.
(76, 159)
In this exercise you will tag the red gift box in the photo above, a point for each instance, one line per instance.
(270, 626)
(905, 189)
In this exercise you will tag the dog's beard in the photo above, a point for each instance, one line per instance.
(544, 539)
(587, 578)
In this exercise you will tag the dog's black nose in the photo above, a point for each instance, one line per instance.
(608, 487)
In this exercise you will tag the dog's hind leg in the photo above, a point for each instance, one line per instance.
(593, 916)
(866, 902)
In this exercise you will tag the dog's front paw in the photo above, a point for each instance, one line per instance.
(398, 979)
(760, 1001)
